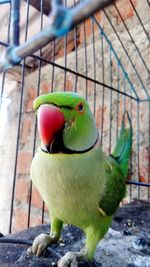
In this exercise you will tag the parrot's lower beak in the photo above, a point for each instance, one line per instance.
(44, 148)
(47, 148)
(50, 122)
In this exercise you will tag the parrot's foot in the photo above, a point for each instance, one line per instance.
(40, 243)
(71, 259)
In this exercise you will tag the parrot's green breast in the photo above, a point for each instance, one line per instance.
(71, 185)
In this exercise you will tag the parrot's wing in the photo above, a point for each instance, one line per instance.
(115, 187)
(116, 168)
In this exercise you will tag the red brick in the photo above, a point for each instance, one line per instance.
(26, 130)
(21, 219)
(45, 88)
(24, 162)
(36, 220)
(61, 51)
(98, 115)
(22, 189)
(88, 27)
(125, 8)
(70, 47)
(31, 92)
(68, 86)
(144, 168)
(36, 199)
(143, 179)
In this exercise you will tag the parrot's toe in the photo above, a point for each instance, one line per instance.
(39, 245)
(70, 259)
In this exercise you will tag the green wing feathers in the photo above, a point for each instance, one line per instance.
(122, 149)
(116, 169)
(115, 187)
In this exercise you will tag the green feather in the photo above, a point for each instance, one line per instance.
(116, 168)
(122, 149)
(67, 99)
(115, 187)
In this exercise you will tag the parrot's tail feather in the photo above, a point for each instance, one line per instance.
(122, 149)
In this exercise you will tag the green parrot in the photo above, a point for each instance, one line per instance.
(78, 182)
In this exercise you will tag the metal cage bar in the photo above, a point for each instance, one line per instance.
(57, 27)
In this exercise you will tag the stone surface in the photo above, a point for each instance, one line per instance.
(126, 244)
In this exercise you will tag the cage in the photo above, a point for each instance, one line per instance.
(104, 58)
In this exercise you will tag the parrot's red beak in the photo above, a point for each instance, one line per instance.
(50, 122)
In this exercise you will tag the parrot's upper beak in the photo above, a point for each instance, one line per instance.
(50, 122)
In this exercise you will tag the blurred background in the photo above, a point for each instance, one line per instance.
(105, 59)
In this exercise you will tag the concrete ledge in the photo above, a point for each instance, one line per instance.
(125, 245)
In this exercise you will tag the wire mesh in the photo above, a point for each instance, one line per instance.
(110, 80)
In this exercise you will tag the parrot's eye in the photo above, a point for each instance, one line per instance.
(80, 107)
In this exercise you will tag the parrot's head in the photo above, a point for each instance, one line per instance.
(65, 123)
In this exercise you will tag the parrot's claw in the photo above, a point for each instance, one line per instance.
(70, 259)
(39, 245)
